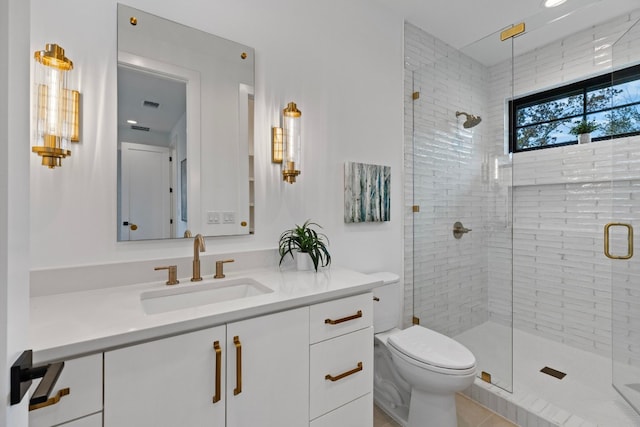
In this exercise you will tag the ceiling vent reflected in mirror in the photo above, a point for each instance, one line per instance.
(142, 128)
(150, 104)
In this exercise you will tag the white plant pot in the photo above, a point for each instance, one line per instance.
(584, 138)
(304, 261)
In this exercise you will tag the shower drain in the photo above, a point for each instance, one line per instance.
(553, 372)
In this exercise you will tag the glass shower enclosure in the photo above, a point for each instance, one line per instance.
(625, 217)
(459, 224)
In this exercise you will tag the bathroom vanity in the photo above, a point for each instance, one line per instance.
(299, 352)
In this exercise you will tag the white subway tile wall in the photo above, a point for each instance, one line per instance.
(448, 177)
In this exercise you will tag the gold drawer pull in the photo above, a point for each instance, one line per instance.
(238, 389)
(344, 319)
(52, 400)
(344, 374)
(216, 346)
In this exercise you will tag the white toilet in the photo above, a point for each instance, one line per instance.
(417, 371)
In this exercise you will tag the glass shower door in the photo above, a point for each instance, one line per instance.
(460, 227)
(618, 235)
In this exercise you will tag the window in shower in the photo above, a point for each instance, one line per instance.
(545, 119)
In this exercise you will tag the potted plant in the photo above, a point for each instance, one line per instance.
(583, 129)
(305, 240)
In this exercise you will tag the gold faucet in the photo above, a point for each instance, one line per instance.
(219, 268)
(198, 246)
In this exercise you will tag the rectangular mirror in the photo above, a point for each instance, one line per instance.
(185, 131)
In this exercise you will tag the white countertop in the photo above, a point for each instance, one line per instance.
(68, 325)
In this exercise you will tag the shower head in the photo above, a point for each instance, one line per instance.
(471, 119)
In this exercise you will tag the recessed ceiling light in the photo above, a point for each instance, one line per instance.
(553, 3)
(132, 122)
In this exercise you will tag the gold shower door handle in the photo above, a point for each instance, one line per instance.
(216, 346)
(344, 374)
(238, 344)
(629, 240)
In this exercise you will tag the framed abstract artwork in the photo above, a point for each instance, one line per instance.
(367, 192)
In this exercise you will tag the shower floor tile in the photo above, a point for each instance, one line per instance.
(585, 392)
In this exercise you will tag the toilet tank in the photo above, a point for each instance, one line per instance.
(387, 304)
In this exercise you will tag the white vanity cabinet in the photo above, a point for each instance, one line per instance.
(260, 364)
(77, 396)
(167, 382)
(341, 362)
(274, 371)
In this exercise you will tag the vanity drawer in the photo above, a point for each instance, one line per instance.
(339, 317)
(348, 359)
(94, 420)
(358, 413)
(83, 379)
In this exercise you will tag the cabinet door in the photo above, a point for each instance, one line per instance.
(168, 382)
(273, 370)
(79, 390)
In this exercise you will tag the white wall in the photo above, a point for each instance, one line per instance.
(341, 62)
(14, 201)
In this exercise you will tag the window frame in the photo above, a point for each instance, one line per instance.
(586, 86)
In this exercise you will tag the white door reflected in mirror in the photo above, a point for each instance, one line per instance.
(145, 188)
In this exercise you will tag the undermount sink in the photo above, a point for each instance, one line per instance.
(211, 292)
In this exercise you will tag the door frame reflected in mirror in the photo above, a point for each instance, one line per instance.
(191, 78)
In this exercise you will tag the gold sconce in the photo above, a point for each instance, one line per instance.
(57, 108)
(285, 143)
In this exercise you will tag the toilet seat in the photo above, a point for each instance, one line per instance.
(431, 350)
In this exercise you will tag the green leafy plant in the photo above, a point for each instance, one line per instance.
(583, 126)
(306, 240)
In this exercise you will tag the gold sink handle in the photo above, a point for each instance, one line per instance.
(173, 274)
(220, 268)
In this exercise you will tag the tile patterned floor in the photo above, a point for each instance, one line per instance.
(470, 414)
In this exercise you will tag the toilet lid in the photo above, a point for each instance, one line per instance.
(432, 348)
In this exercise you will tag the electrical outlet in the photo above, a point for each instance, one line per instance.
(229, 217)
(213, 217)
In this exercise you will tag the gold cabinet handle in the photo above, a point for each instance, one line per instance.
(629, 240)
(238, 344)
(216, 346)
(52, 400)
(344, 374)
(344, 319)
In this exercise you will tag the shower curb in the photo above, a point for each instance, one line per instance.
(526, 411)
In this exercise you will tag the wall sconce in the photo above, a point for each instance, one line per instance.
(285, 143)
(57, 109)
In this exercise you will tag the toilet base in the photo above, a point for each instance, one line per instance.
(399, 414)
(432, 410)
